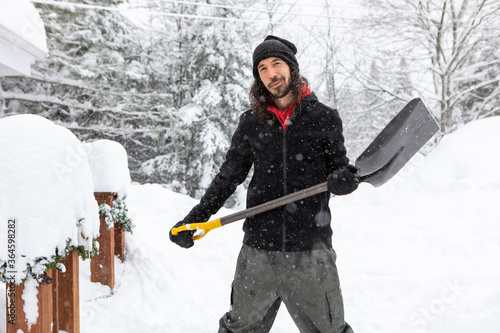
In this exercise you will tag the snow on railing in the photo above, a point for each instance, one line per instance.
(111, 179)
(49, 184)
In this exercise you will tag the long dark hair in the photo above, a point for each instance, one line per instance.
(261, 98)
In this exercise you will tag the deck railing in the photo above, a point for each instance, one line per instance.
(58, 292)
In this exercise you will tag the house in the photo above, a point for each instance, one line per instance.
(22, 37)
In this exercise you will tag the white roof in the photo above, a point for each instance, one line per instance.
(22, 37)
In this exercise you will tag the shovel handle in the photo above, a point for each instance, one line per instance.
(205, 227)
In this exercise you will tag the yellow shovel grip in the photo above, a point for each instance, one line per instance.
(205, 227)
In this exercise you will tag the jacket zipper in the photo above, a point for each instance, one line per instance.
(285, 192)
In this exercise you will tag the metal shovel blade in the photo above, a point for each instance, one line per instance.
(409, 131)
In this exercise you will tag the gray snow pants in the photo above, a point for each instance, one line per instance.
(307, 282)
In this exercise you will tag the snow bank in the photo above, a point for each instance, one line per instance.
(466, 158)
(420, 254)
(46, 184)
(109, 165)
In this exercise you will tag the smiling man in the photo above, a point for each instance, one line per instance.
(293, 142)
(275, 75)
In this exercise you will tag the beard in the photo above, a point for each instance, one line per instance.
(282, 90)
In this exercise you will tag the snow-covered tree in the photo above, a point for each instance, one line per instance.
(93, 81)
(138, 84)
(449, 49)
(206, 57)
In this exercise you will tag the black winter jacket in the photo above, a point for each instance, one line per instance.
(284, 162)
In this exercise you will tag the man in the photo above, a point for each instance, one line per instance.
(293, 142)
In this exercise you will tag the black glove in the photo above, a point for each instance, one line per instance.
(343, 181)
(184, 238)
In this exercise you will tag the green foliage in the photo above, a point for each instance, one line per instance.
(118, 213)
(38, 269)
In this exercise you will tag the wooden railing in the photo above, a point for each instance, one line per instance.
(58, 293)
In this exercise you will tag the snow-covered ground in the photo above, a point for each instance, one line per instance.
(419, 254)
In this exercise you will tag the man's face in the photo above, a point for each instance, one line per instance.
(275, 74)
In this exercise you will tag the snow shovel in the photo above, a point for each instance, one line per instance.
(409, 131)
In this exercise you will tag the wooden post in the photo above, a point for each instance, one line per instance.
(16, 318)
(68, 296)
(55, 302)
(119, 242)
(102, 266)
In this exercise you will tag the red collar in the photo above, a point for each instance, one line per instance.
(284, 116)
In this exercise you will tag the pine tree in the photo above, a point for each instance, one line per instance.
(108, 78)
(209, 62)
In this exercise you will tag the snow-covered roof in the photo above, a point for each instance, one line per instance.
(22, 37)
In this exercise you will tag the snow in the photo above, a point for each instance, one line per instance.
(22, 37)
(190, 113)
(46, 184)
(418, 254)
(21, 18)
(30, 299)
(109, 166)
(475, 152)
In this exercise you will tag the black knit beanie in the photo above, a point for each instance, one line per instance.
(277, 47)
